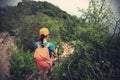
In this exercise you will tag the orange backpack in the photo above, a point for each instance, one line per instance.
(42, 58)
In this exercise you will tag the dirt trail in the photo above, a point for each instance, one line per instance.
(68, 49)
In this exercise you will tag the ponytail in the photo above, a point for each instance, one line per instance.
(42, 38)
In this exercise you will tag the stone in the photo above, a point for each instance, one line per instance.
(6, 42)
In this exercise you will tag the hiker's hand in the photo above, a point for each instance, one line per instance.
(49, 62)
(57, 46)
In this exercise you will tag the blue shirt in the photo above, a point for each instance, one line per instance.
(51, 46)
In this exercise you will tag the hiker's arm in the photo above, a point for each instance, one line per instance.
(55, 51)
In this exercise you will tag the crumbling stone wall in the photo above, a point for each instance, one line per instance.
(6, 42)
(68, 49)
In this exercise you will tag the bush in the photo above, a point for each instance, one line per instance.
(78, 66)
(22, 65)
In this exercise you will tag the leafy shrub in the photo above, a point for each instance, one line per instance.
(22, 64)
(78, 66)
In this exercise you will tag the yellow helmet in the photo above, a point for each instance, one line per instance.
(44, 31)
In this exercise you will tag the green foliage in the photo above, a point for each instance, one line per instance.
(28, 32)
(77, 67)
(25, 20)
(113, 56)
(22, 64)
(96, 55)
(86, 61)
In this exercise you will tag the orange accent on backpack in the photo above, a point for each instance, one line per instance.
(42, 59)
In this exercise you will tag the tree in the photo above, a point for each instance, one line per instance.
(93, 35)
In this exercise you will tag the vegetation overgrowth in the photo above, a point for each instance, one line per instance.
(96, 55)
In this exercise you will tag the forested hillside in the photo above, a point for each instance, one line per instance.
(30, 16)
(97, 51)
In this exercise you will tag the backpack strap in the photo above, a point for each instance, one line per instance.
(38, 44)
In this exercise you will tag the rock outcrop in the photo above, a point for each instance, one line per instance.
(6, 42)
(68, 49)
